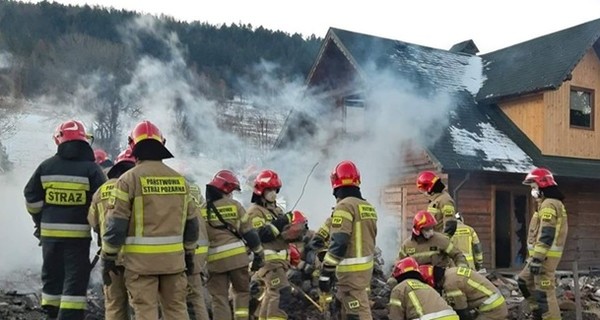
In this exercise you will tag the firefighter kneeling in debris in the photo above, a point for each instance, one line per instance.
(116, 303)
(467, 291)
(155, 221)
(231, 234)
(412, 298)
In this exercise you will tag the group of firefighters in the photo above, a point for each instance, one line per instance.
(163, 243)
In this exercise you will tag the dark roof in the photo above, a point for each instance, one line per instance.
(467, 46)
(538, 64)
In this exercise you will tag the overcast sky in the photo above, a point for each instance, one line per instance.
(435, 23)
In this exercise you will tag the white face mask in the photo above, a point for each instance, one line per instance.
(536, 194)
(427, 233)
(270, 196)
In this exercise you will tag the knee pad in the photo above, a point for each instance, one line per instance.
(285, 299)
(523, 287)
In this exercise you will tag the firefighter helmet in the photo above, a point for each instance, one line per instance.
(294, 255)
(345, 174)
(70, 130)
(542, 177)
(426, 271)
(426, 180)
(266, 179)
(423, 219)
(143, 131)
(125, 156)
(100, 155)
(296, 229)
(225, 181)
(405, 265)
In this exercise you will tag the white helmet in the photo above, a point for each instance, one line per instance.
(459, 217)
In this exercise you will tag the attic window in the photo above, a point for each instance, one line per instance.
(582, 108)
(354, 114)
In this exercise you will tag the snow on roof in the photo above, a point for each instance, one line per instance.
(498, 151)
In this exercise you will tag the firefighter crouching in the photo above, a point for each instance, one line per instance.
(546, 240)
(467, 241)
(352, 245)
(58, 196)
(153, 219)
(441, 204)
(466, 290)
(196, 301)
(231, 234)
(269, 221)
(116, 302)
(412, 298)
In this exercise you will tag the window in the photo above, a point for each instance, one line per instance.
(354, 109)
(582, 108)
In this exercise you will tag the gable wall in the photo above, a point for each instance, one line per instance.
(527, 113)
(559, 138)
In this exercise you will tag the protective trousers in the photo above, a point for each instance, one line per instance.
(499, 313)
(218, 283)
(278, 294)
(540, 290)
(353, 294)
(196, 304)
(65, 276)
(116, 301)
(167, 289)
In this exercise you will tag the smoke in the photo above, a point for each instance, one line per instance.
(205, 136)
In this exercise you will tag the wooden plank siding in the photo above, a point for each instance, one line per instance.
(560, 139)
(527, 113)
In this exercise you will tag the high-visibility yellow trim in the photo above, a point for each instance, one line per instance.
(51, 302)
(66, 185)
(145, 136)
(106, 247)
(227, 254)
(138, 214)
(201, 250)
(497, 300)
(64, 197)
(367, 212)
(395, 302)
(241, 312)
(151, 249)
(120, 194)
(358, 240)
(454, 293)
(331, 260)
(355, 267)
(73, 305)
(416, 303)
(423, 254)
(449, 248)
(163, 185)
(65, 233)
(479, 287)
(343, 214)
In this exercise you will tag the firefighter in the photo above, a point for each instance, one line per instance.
(466, 290)
(58, 197)
(411, 298)
(154, 220)
(231, 234)
(116, 304)
(428, 246)
(352, 244)
(102, 159)
(546, 241)
(441, 204)
(466, 240)
(269, 221)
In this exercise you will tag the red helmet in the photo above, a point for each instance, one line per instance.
(297, 227)
(426, 271)
(405, 265)
(294, 255)
(423, 219)
(267, 179)
(426, 180)
(542, 177)
(143, 131)
(100, 156)
(70, 130)
(225, 181)
(125, 156)
(345, 174)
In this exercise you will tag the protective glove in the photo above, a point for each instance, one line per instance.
(282, 221)
(464, 314)
(189, 263)
(326, 278)
(535, 266)
(109, 265)
(258, 261)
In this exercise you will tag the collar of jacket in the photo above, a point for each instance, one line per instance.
(75, 151)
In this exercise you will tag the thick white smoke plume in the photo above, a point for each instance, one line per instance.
(165, 91)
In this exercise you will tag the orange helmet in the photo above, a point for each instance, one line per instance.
(295, 257)
(426, 271)
(267, 179)
(100, 156)
(405, 265)
(542, 177)
(70, 130)
(423, 219)
(225, 181)
(345, 174)
(125, 156)
(143, 131)
(426, 180)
